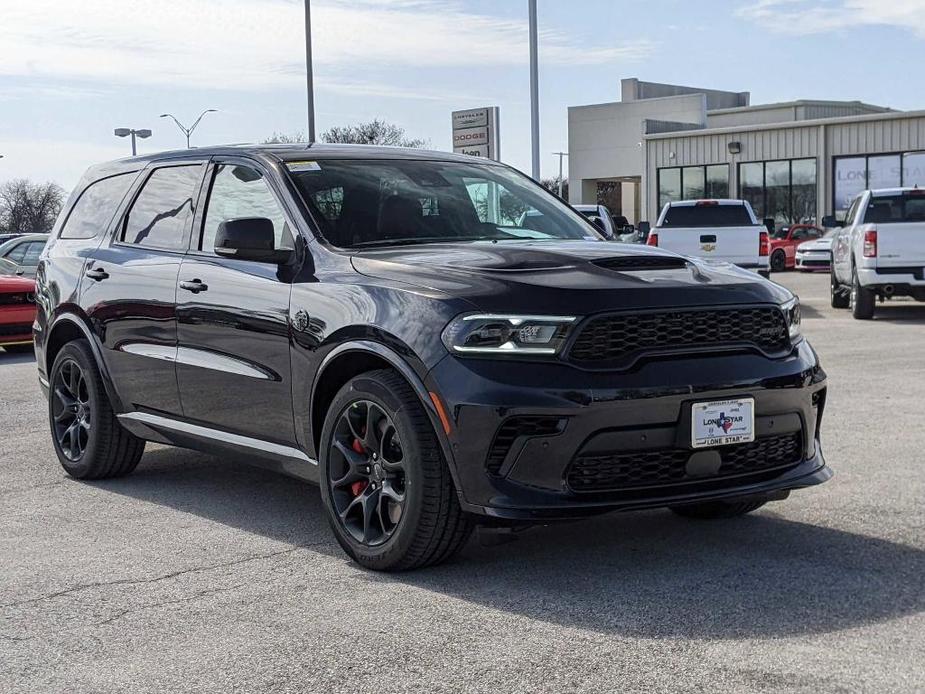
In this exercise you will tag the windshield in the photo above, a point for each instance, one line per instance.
(368, 203)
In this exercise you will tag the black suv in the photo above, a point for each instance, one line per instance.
(434, 339)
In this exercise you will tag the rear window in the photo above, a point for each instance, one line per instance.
(707, 216)
(884, 209)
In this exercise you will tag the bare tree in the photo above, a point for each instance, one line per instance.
(376, 132)
(552, 185)
(285, 138)
(29, 207)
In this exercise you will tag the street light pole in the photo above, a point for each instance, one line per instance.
(534, 94)
(309, 81)
(560, 155)
(187, 131)
(125, 132)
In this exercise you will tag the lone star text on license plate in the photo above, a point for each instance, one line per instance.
(722, 422)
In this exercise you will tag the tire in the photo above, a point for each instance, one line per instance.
(27, 348)
(102, 448)
(839, 298)
(778, 261)
(862, 300)
(427, 526)
(711, 510)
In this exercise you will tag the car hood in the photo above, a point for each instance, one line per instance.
(566, 277)
(817, 245)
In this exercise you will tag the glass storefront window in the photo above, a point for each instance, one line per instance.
(692, 182)
(914, 169)
(777, 191)
(850, 179)
(717, 181)
(803, 191)
(884, 171)
(751, 186)
(669, 186)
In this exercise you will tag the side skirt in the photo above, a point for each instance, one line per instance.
(257, 452)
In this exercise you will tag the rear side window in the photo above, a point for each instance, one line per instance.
(94, 209)
(884, 209)
(707, 216)
(33, 253)
(160, 215)
(17, 252)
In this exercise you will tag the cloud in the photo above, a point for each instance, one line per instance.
(804, 17)
(250, 44)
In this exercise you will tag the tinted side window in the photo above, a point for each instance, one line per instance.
(240, 191)
(93, 211)
(160, 214)
(17, 252)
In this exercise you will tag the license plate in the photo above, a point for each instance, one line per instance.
(722, 422)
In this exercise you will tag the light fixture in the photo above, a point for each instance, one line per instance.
(734, 147)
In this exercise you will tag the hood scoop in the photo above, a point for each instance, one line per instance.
(642, 262)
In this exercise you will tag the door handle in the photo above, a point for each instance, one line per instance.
(195, 286)
(98, 274)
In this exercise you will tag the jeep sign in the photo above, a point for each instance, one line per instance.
(475, 132)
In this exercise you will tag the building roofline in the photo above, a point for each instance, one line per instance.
(889, 115)
(641, 101)
(800, 102)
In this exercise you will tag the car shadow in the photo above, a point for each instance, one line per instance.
(906, 312)
(16, 358)
(648, 574)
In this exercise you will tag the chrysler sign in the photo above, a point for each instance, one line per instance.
(475, 132)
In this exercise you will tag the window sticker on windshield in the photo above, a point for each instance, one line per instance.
(302, 166)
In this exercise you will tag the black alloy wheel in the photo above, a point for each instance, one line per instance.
(88, 439)
(778, 261)
(385, 483)
(71, 410)
(367, 473)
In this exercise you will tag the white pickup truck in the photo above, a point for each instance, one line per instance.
(723, 230)
(880, 251)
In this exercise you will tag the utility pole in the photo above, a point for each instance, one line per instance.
(534, 94)
(560, 155)
(308, 71)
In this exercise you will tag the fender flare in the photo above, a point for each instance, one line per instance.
(395, 360)
(94, 348)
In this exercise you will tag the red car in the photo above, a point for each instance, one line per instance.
(17, 312)
(784, 244)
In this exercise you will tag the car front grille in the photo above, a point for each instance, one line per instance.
(621, 338)
(514, 428)
(15, 329)
(631, 469)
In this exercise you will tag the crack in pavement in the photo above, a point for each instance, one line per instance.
(155, 579)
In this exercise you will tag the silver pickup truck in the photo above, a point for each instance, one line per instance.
(880, 252)
(723, 230)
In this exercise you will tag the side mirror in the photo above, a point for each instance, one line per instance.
(644, 228)
(249, 238)
(768, 224)
(829, 222)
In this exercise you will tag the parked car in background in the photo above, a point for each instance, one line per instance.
(17, 313)
(601, 218)
(785, 241)
(815, 254)
(20, 256)
(9, 236)
(723, 230)
(880, 252)
(360, 320)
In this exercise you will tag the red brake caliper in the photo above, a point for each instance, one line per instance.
(358, 487)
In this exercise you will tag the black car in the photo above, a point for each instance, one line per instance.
(382, 322)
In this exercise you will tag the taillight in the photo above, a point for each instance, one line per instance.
(763, 243)
(653, 240)
(870, 243)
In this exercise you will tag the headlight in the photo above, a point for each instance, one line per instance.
(507, 334)
(793, 318)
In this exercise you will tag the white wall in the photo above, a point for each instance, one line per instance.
(604, 140)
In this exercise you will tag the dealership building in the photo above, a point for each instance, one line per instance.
(794, 162)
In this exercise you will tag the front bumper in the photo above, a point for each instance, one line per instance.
(16, 324)
(813, 260)
(530, 476)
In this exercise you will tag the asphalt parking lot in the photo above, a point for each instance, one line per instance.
(197, 575)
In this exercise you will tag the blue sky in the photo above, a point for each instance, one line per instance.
(71, 72)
